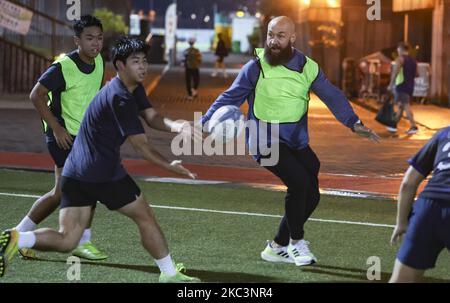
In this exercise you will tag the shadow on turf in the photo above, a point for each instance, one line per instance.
(233, 277)
(205, 276)
(357, 274)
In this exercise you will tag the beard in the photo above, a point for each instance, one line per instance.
(280, 58)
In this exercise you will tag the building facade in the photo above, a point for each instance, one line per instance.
(332, 30)
(50, 32)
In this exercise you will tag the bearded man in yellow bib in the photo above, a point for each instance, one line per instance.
(277, 85)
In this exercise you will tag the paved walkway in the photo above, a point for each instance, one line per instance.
(430, 116)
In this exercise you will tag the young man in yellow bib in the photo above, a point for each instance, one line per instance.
(277, 84)
(61, 98)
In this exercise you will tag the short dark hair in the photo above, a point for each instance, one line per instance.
(403, 45)
(125, 47)
(86, 21)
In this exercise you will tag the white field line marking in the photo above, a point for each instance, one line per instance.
(183, 181)
(268, 216)
(231, 212)
(19, 195)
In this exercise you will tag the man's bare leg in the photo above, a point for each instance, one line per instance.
(153, 240)
(43, 207)
(72, 222)
(405, 274)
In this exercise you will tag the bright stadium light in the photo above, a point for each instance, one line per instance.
(334, 3)
(207, 18)
(193, 16)
(304, 4)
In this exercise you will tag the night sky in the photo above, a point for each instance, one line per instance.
(201, 8)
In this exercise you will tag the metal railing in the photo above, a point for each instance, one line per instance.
(47, 36)
(24, 58)
(20, 68)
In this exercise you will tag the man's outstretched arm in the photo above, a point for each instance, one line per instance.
(238, 92)
(142, 146)
(39, 97)
(408, 190)
(157, 121)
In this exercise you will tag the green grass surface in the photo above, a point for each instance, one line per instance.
(216, 247)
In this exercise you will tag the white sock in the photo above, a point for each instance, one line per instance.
(26, 225)
(86, 237)
(26, 239)
(166, 265)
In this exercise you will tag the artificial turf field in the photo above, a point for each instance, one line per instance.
(218, 232)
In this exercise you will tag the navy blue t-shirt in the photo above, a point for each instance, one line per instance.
(409, 74)
(53, 80)
(111, 117)
(435, 157)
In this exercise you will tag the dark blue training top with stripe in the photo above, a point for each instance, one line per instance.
(435, 157)
(111, 117)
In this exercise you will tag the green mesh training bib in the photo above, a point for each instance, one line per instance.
(81, 88)
(281, 94)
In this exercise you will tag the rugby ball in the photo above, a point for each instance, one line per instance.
(226, 124)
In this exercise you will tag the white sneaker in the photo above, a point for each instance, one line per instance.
(301, 254)
(278, 255)
(194, 93)
(391, 129)
(413, 130)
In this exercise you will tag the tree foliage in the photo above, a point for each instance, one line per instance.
(111, 21)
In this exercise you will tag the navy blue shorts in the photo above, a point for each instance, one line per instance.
(114, 195)
(58, 154)
(220, 59)
(427, 235)
(401, 97)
